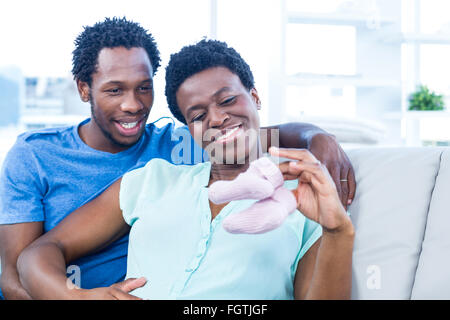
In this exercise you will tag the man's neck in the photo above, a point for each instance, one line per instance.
(94, 137)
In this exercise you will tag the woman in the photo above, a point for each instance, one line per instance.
(176, 239)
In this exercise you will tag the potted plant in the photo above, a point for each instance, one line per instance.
(425, 100)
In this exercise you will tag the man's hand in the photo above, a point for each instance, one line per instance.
(13, 239)
(323, 146)
(11, 287)
(326, 149)
(117, 291)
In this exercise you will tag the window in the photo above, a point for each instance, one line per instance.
(41, 37)
(425, 52)
(318, 57)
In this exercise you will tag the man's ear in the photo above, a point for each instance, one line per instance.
(83, 90)
(255, 97)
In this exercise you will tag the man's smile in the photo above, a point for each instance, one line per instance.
(130, 126)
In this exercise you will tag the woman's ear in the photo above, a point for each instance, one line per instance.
(83, 90)
(255, 97)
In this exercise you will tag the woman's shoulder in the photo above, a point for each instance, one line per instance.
(159, 174)
(157, 166)
(157, 182)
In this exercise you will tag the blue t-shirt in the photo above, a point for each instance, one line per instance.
(49, 173)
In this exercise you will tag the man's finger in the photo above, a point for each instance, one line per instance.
(344, 186)
(130, 284)
(121, 295)
(351, 185)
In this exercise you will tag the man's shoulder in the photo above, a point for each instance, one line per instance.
(37, 141)
(159, 131)
(44, 134)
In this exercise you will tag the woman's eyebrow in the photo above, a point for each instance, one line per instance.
(220, 91)
(217, 93)
(193, 108)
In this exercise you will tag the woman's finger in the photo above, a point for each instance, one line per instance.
(316, 169)
(305, 177)
(290, 177)
(295, 154)
(284, 167)
(287, 167)
(289, 172)
(335, 176)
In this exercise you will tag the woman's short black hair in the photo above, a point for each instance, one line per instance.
(195, 58)
(111, 33)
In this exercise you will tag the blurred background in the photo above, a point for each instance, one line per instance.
(372, 72)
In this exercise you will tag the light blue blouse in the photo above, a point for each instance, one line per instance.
(185, 255)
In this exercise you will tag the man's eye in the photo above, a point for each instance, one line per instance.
(114, 91)
(145, 89)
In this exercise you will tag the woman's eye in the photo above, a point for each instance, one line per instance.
(228, 101)
(198, 117)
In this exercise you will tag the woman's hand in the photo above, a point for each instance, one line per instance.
(117, 291)
(316, 193)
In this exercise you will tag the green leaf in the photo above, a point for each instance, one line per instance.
(425, 99)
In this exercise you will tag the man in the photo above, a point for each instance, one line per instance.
(50, 173)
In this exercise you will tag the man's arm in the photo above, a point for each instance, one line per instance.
(298, 134)
(42, 265)
(13, 239)
(21, 213)
(322, 145)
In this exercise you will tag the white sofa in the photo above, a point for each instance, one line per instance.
(401, 214)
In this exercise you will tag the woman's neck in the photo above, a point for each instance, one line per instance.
(226, 171)
(221, 171)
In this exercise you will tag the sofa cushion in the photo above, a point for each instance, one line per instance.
(394, 187)
(433, 273)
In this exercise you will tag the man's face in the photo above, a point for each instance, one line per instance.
(121, 96)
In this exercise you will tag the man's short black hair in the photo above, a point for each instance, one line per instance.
(111, 33)
(195, 58)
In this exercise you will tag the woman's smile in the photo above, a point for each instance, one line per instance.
(229, 134)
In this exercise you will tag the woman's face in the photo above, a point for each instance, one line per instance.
(222, 115)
